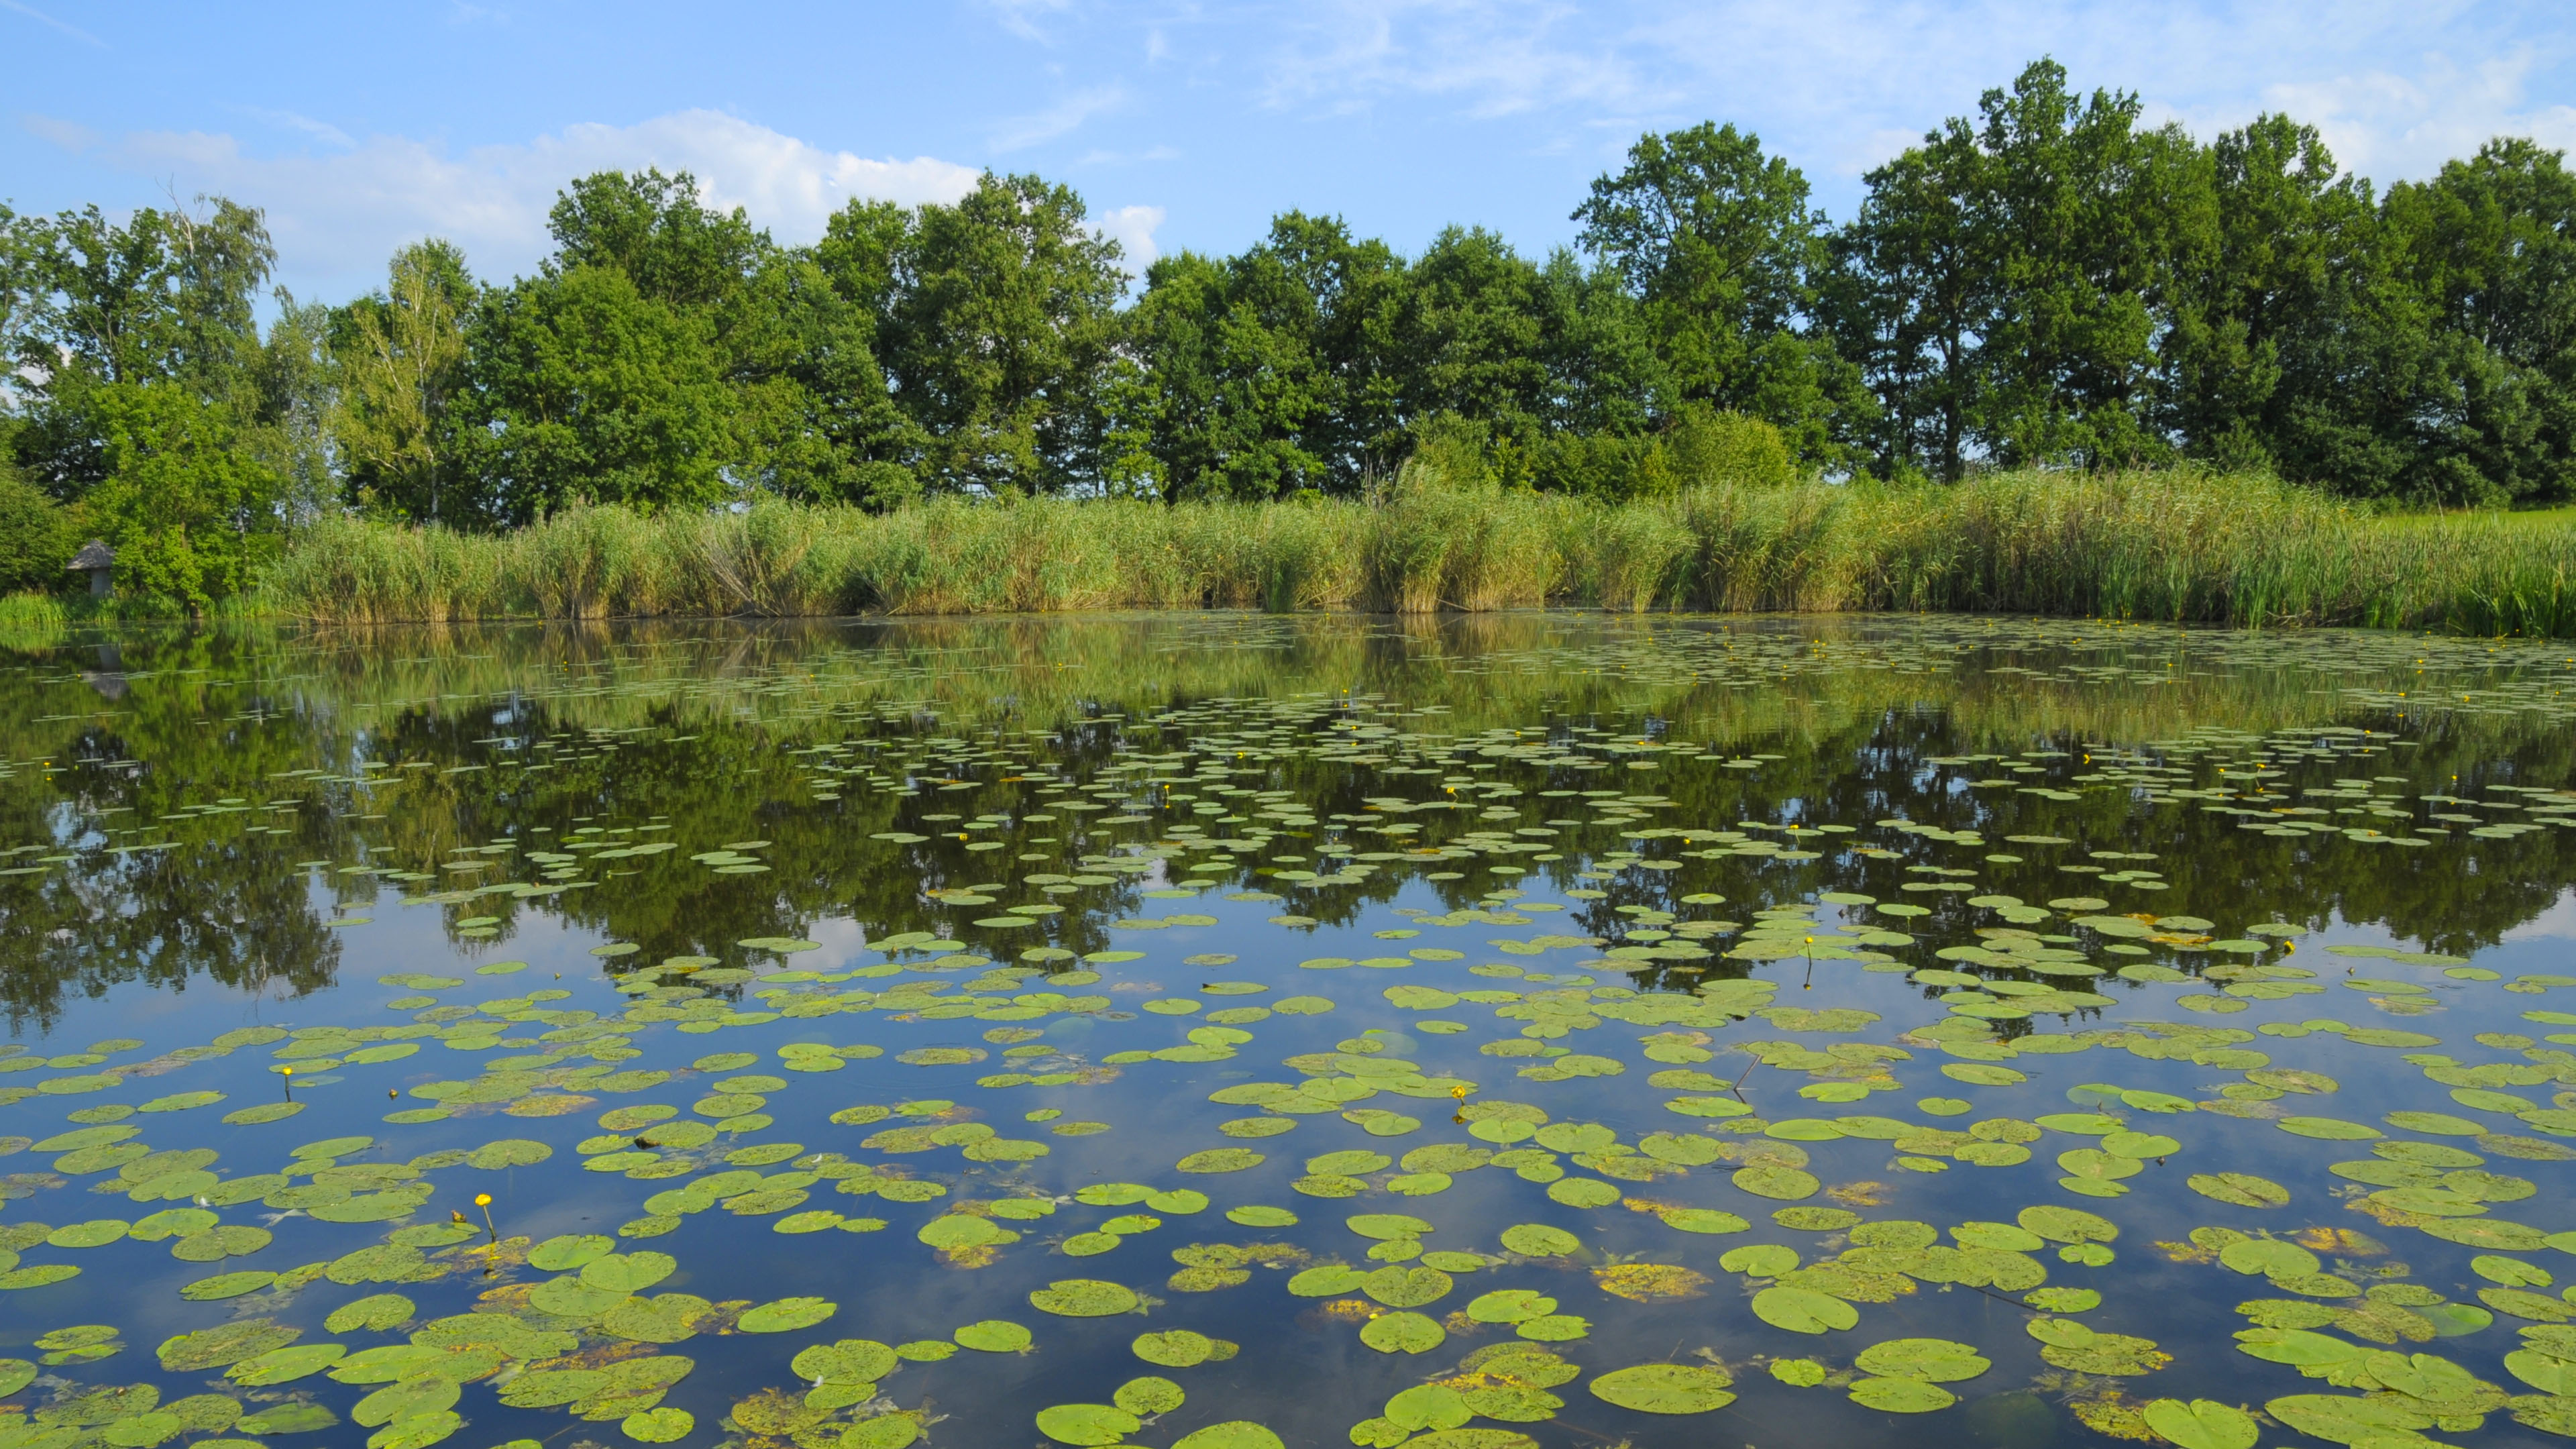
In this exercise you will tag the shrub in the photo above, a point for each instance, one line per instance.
(37, 538)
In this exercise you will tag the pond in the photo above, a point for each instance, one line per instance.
(1228, 1031)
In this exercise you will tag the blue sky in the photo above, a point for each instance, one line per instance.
(1185, 125)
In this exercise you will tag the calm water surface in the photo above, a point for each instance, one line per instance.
(1231, 1032)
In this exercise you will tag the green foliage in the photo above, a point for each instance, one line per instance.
(149, 399)
(2048, 283)
(2051, 283)
(2178, 545)
(994, 322)
(582, 389)
(185, 505)
(1716, 240)
(400, 358)
(37, 538)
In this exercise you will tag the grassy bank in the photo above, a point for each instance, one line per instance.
(2165, 546)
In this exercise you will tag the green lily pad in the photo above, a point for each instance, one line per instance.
(1582, 1192)
(1759, 1260)
(400, 1400)
(1932, 1360)
(1399, 1287)
(1538, 1240)
(1510, 1305)
(562, 1254)
(226, 1285)
(416, 1432)
(1665, 1388)
(1174, 1348)
(2068, 1225)
(994, 1335)
(1149, 1394)
(2268, 1257)
(1802, 1310)
(1402, 1333)
(786, 1315)
(2329, 1129)
(1087, 1424)
(660, 1425)
(96, 1233)
(2241, 1189)
(1786, 1184)
(630, 1272)
(1083, 1298)
(285, 1365)
(1901, 1396)
(213, 1347)
(375, 1313)
(2202, 1424)
(1221, 1159)
(1387, 1227)
(1328, 1281)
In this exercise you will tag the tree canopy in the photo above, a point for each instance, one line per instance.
(2047, 282)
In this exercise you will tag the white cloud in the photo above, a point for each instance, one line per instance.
(1016, 132)
(1497, 58)
(2379, 122)
(70, 135)
(1132, 227)
(322, 131)
(41, 18)
(2398, 86)
(1020, 17)
(337, 217)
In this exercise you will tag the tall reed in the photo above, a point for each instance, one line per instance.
(2176, 546)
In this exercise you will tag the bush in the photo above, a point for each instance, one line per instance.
(1712, 449)
(37, 538)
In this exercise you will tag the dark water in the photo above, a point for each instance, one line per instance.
(1886, 928)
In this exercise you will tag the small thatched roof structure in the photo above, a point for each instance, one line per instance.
(94, 554)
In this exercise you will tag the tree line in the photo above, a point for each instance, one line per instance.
(2048, 283)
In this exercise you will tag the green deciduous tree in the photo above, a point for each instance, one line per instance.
(2490, 245)
(994, 322)
(401, 357)
(581, 389)
(1719, 244)
(186, 501)
(148, 396)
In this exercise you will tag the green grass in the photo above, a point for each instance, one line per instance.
(2169, 546)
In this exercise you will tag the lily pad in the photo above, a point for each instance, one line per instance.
(1538, 1240)
(994, 1335)
(1802, 1310)
(1402, 1333)
(1087, 1424)
(1083, 1298)
(2202, 1424)
(1901, 1396)
(1932, 1360)
(786, 1315)
(1665, 1388)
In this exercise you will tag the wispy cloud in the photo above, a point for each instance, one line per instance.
(319, 130)
(1019, 132)
(338, 216)
(1494, 59)
(1020, 17)
(39, 16)
(1129, 158)
(2398, 85)
(70, 135)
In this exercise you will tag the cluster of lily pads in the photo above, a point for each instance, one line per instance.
(1502, 1071)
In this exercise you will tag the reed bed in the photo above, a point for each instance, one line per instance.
(2173, 546)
